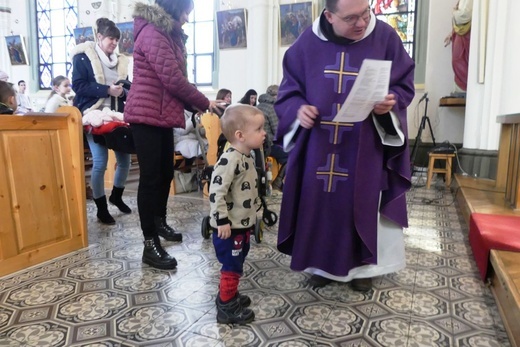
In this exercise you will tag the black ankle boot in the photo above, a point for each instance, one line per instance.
(166, 231)
(244, 300)
(233, 312)
(102, 211)
(116, 199)
(155, 256)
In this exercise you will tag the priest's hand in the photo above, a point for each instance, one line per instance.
(306, 115)
(224, 231)
(385, 106)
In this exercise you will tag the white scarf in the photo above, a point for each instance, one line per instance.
(109, 62)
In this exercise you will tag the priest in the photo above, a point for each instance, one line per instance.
(344, 207)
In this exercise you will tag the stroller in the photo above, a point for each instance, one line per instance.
(269, 218)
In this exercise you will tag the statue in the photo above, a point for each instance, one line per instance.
(459, 39)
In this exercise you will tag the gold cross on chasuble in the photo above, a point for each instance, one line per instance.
(335, 127)
(340, 72)
(331, 174)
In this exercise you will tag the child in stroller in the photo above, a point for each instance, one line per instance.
(269, 217)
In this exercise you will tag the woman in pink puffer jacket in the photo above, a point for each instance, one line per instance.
(155, 105)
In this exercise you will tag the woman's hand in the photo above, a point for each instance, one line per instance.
(385, 106)
(306, 115)
(217, 106)
(115, 90)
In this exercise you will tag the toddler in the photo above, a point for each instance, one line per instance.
(232, 194)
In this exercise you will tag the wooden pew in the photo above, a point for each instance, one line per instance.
(501, 198)
(42, 188)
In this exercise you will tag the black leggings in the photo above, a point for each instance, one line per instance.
(154, 147)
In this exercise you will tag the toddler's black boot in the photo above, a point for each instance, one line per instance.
(244, 300)
(155, 256)
(166, 231)
(233, 312)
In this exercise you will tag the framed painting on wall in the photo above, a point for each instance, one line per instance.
(232, 28)
(126, 42)
(84, 34)
(16, 49)
(294, 19)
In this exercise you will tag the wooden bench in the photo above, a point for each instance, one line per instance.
(492, 231)
(500, 198)
(42, 188)
(506, 289)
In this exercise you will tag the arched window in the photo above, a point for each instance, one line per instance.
(57, 19)
(200, 44)
(55, 23)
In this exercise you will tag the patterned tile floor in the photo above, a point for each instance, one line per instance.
(104, 296)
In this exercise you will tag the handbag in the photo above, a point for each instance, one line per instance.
(118, 138)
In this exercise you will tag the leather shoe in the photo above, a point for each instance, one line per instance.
(317, 281)
(361, 284)
(166, 231)
(155, 256)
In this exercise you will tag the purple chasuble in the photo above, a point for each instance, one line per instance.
(337, 172)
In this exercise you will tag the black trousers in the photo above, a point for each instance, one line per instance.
(154, 148)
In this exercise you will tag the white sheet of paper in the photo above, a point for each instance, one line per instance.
(370, 87)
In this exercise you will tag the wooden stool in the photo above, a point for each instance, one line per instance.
(447, 170)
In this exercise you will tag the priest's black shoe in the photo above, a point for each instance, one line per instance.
(166, 231)
(233, 312)
(317, 281)
(116, 198)
(361, 284)
(155, 256)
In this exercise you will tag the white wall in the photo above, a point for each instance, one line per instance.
(498, 94)
(447, 122)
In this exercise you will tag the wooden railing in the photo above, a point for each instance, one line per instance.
(42, 188)
(508, 173)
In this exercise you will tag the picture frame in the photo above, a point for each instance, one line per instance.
(84, 34)
(232, 28)
(294, 19)
(16, 48)
(126, 42)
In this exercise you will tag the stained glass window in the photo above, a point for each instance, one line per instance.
(199, 46)
(400, 14)
(56, 20)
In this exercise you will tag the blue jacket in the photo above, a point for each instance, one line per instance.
(88, 79)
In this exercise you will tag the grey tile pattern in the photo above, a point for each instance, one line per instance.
(103, 296)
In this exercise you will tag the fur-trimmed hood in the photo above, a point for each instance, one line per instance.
(153, 14)
(89, 49)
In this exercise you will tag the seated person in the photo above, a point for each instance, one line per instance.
(226, 95)
(186, 141)
(22, 99)
(4, 76)
(249, 98)
(266, 105)
(60, 89)
(7, 98)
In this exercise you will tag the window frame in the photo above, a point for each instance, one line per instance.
(40, 66)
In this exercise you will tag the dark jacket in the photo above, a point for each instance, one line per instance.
(88, 79)
(160, 87)
(4, 109)
(266, 105)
